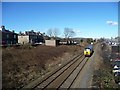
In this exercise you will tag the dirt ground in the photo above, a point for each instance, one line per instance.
(23, 64)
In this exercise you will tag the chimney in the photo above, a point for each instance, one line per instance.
(13, 31)
(3, 27)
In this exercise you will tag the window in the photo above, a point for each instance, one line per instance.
(7, 42)
(7, 35)
(14, 42)
(14, 36)
(11, 42)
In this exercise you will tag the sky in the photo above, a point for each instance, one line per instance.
(87, 19)
(60, 0)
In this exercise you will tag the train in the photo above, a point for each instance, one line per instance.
(88, 51)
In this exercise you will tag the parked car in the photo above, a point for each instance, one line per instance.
(117, 77)
(117, 63)
(116, 69)
(117, 74)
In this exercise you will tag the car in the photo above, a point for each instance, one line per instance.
(117, 74)
(115, 62)
(116, 69)
(117, 77)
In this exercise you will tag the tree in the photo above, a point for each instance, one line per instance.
(81, 40)
(49, 32)
(94, 40)
(68, 32)
(55, 32)
(89, 40)
(102, 39)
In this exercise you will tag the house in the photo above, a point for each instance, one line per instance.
(30, 37)
(8, 37)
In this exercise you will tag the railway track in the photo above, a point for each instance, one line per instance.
(63, 77)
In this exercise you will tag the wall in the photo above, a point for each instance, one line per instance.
(23, 39)
(50, 42)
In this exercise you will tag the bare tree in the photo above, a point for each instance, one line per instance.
(49, 32)
(68, 32)
(55, 32)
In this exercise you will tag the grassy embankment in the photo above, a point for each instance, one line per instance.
(104, 78)
(23, 64)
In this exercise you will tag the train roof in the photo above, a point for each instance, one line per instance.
(89, 46)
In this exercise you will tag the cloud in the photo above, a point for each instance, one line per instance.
(112, 23)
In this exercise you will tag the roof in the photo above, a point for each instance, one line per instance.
(115, 66)
(90, 46)
(7, 31)
(2, 29)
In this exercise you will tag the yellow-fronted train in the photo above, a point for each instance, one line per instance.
(88, 51)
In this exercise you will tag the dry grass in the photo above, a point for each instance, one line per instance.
(21, 65)
(103, 77)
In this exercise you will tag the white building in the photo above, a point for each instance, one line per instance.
(51, 42)
(23, 39)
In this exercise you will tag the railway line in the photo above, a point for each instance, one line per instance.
(64, 76)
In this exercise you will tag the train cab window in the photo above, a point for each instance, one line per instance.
(87, 49)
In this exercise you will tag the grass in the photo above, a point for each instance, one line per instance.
(104, 78)
(23, 64)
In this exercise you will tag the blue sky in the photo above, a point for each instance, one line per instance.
(87, 19)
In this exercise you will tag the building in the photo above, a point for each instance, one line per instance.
(52, 42)
(30, 37)
(8, 37)
(115, 48)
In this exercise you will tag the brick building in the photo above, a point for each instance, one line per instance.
(30, 37)
(8, 37)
